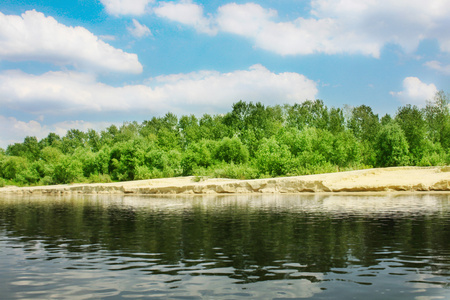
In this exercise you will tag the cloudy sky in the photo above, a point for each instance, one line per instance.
(90, 63)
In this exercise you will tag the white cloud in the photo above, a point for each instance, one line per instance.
(436, 65)
(342, 26)
(404, 22)
(33, 36)
(211, 88)
(301, 36)
(415, 91)
(11, 129)
(187, 13)
(107, 37)
(139, 30)
(126, 7)
(60, 93)
(67, 92)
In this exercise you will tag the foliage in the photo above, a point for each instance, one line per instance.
(392, 146)
(273, 159)
(250, 141)
(231, 151)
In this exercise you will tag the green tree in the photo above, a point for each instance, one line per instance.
(411, 121)
(364, 123)
(29, 148)
(108, 136)
(93, 140)
(127, 132)
(392, 146)
(67, 170)
(273, 159)
(308, 114)
(231, 151)
(213, 127)
(437, 116)
(336, 120)
(52, 139)
(346, 150)
(72, 140)
(189, 130)
(197, 155)
(126, 157)
(12, 166)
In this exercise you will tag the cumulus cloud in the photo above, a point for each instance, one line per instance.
(67, 92)
(342, 26)
(301, 36)
(126, 7)
(11, 129)
(138, 30)
(208, 88)
(403, 22)
(36, 37)
(187, 13)
(416, 92)
(71, 92)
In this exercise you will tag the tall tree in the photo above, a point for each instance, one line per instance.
(29, 149)
(364, 123)
(308, 114)
(392, 146)
(411, 121)
(437, 115)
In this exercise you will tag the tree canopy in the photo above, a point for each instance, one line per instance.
(250, 141)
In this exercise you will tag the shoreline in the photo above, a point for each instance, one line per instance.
(394, 179)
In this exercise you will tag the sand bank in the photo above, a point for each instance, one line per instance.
(409, 179)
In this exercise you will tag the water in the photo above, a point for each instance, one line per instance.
(227, 247)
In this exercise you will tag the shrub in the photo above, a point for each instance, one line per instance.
(197, 155)
(142, 172)
(99, 178)
(13, 165)
(231, 151)
(235, 171)
(273, 159)
(68, 170)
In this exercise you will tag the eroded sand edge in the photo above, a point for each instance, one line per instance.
(410, 179)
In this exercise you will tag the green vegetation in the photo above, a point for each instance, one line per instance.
(251, 141)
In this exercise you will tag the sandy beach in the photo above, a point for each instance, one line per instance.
(398, 179)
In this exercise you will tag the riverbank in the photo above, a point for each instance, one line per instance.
(398, 179)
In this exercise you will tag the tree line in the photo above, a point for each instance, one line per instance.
(250, 141)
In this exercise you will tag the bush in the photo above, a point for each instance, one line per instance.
(28, 176)
(231, 151)
(346, 149)
(12, 166)
(235, 171)
(142, 172)
(68, 171)
(434, 155)
(99, 178)
(273, 159)
(197, 155)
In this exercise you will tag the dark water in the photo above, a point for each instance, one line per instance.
(233, 247)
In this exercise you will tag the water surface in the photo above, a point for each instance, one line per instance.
(226, 247)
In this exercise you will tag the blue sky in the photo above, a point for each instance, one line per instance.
(91, 63)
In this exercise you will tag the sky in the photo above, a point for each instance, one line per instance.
(92, 63)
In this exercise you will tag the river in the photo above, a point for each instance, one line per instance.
(379, 246)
